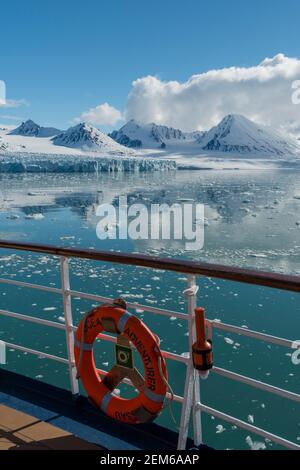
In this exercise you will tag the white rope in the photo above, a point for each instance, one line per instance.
(170, 402)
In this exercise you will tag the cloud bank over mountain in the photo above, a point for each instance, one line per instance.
(262, 93)
(103, 114)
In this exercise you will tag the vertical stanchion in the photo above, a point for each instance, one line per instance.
(192, 384)
(65, 284)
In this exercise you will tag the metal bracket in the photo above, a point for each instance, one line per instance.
(193, 290)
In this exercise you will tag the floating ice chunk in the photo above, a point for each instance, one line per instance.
(13, 216)
(220, 429)
(132, 296)
(62, 319)
(258, 255)
(149, 301)
(40, 376)
(228, 341)
(250, 419)
(173, 318)
(255, 445)
(185, 354)
(48, 309)
(34, 216)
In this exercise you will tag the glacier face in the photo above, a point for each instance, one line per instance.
(45, 163)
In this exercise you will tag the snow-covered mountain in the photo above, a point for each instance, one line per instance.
(137, 135)
(86, 137)
(30, 129)
(238, 135)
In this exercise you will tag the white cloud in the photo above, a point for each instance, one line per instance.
(10, 117)
(13, 103)
(2, 93)
(262, 93)
(104, 114)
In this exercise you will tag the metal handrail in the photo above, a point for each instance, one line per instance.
(229, 273)
(278, 281)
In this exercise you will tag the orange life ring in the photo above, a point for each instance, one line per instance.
(152, 390)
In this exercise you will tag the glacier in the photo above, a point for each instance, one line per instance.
(51, 163)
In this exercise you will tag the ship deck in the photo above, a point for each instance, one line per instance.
(36, 415)
(21, 431)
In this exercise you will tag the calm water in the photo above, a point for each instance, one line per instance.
(253, 220)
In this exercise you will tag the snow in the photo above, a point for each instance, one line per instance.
(31, 129)
(237, 134)
(236, 143)
(152, 136)
(87, 137)
(77, 140)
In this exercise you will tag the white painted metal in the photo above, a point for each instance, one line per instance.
(249, 427)
(186, 407)
(40, 321)
(36, 353)
(192, 384)
(252, 334)
(108, 300)
(28, 285)
(257, 384)
(191, 399)
(65, 284)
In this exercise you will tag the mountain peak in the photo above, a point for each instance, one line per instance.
(87, 137)
(135, 134)
(238, 134)
(30, 128)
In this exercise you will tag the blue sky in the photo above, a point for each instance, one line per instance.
(64, 57)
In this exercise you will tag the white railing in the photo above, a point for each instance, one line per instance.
(190, 401)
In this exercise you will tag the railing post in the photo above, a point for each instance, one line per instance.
(65, 284)
(192, 383)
